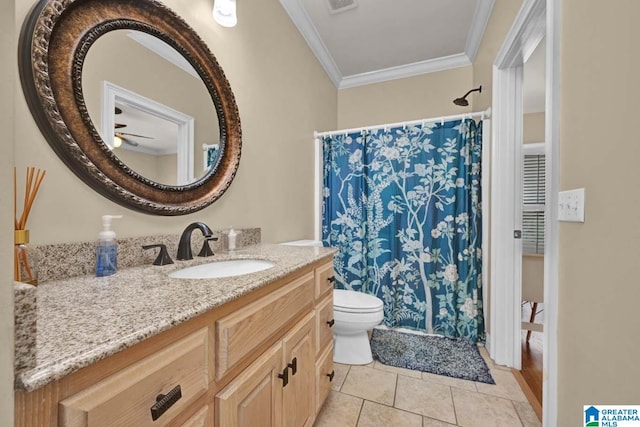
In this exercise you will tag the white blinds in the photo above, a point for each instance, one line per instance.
(533, 200)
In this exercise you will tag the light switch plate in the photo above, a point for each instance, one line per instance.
(571, 205)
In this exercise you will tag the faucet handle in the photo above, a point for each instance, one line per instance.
(206, 250)
(163, 256)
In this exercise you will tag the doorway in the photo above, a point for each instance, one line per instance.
(533, 208)
(537, 20)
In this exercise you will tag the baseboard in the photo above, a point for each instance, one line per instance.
(487, 343)
(537, 407)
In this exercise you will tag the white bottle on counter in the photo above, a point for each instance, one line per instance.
(231, 239)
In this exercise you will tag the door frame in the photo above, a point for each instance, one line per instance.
(535, 20)
(112, 93)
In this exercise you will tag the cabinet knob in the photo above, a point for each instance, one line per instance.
(331, 279)
(165, 401)
(293, 365)
(331, 375)
(331, 322)
(284, 376)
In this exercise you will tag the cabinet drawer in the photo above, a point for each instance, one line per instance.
(324, 323)
(324, 279)
(324, 377)
(126, 398)
(240, 333)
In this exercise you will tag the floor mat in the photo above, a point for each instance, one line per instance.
(455, 358)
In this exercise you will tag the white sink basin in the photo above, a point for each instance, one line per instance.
(212, 270)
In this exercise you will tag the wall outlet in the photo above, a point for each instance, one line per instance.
(571, 205)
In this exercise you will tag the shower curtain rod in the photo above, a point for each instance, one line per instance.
(483, 114)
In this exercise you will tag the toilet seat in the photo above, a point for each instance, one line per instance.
(355, 302)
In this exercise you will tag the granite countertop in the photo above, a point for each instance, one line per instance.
(85, 319)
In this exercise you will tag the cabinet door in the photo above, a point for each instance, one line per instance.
(299, 355)
(254, 398)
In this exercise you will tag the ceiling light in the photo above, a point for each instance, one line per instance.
(224, 12)
(117, 141)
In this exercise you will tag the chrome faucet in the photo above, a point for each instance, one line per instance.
(184, 247)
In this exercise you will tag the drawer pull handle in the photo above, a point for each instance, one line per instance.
(284, 376)
(331, 279)
(165, 401)
(331, 375)
(331, 322)
(294, 366)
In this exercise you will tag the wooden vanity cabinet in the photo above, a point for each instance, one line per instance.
(231, 365)
(325, 322)
(278, 388)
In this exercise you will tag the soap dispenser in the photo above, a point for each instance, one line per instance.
(107, 251)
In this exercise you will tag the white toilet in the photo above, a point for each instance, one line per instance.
(354, 313)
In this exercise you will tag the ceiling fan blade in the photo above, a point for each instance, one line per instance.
(130, 142)
(137, 136)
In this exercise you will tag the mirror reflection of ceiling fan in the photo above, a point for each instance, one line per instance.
(120, 137)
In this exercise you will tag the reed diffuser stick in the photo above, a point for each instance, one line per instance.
(21, 257)
(15, 198)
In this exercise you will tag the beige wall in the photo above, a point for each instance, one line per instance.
(414, 98)
(599, 150)
(283, 95)
(533, 128)
(8, 70)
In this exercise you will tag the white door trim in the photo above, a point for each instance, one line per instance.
(552, 157)
(185, 144)
(535, 19)
(506, 252)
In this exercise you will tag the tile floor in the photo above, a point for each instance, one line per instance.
(377, 395)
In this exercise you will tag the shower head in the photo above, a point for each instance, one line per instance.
(463, 101)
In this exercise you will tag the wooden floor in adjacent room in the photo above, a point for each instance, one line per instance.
(532, 361)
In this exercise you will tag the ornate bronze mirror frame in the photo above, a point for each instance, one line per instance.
(54, 42)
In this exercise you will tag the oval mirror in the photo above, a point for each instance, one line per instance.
(133, 101)
(162, 131)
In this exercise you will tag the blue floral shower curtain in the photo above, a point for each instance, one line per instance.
(403, 207)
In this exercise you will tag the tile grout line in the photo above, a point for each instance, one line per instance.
(360, 412)
(395, 392)
(517, 413)
(453, 404)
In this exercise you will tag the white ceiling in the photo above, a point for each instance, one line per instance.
(378, 40)
(161, 134)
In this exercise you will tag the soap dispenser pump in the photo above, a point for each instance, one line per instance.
(107, 250)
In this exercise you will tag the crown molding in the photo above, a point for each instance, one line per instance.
(404, 71)
(162, 49)
(303, 22)
(305, 26)
(479, 23)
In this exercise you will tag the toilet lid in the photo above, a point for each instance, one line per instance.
(353, 301)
